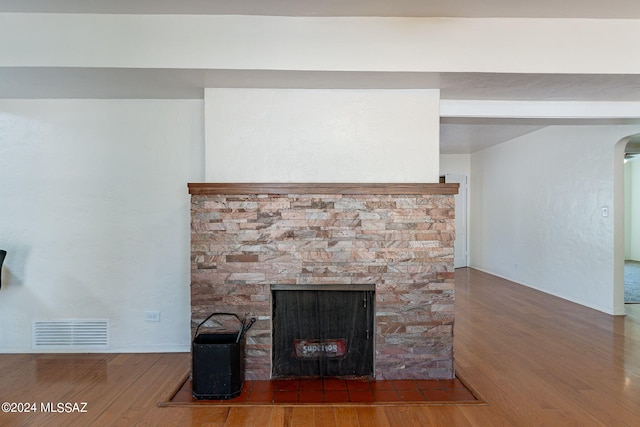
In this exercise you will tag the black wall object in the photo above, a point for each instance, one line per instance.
(3, 255)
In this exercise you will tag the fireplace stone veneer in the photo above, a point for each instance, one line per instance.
(397, 237)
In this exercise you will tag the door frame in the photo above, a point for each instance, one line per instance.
(461, 209)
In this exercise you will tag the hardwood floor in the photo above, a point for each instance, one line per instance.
(535, 359)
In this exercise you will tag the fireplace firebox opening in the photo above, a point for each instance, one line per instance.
(323, 331)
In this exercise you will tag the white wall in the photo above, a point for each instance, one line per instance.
(288, 135)
(536, 211)
(95, 216)
(455, 164)
(632, 209)
(627, 210)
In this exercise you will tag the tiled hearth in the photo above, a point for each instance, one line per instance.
(338, 391)
(398, 237)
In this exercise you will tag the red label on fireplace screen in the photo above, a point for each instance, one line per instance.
(314, 349)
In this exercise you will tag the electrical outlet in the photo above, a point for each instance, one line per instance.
(151, 316)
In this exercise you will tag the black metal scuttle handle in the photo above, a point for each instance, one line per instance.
(244, 327)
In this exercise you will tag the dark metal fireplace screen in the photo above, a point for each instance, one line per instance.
(322, 331)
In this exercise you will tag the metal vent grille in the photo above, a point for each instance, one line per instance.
(75, 334)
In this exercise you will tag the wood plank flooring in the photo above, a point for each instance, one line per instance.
(535, 359)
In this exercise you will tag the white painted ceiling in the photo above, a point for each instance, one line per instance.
(457, 135)
(610, 9)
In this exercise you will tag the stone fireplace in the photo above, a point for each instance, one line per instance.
(394, 238)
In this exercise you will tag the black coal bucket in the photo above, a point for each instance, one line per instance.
(217, 361)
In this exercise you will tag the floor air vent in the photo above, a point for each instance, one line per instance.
(75, 334)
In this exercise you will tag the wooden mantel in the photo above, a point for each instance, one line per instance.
(206, 188)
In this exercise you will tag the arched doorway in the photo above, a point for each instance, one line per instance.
(623, 220)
